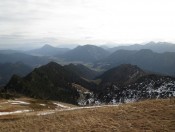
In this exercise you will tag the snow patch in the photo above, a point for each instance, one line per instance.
(46, 113)
(130, 100)
(18, 102)
(60, 105)
(42, 104)
(14, 112)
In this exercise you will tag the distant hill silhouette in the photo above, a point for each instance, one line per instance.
(30, 60)
(146, 59)
(8, 69)
(86, 53)
(159, 47)
(9, 51)
(48, 50)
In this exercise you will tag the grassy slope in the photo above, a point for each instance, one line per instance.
(151, 115)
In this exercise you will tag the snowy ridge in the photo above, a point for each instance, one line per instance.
(153, 87)
(60, 105)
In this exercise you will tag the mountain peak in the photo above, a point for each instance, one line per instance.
(51, 66)
(87, 46)
(51, 81)
(47, 46)
(86, 53)
(48, 50)
(151, 43)
(122, 74)
(52, 63)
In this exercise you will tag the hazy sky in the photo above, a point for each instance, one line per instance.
(36, 22)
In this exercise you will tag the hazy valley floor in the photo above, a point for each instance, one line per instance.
(150, 115)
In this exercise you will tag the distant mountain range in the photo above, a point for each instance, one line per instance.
(146, 59)
(30, 60)
(48, 50)
(9, 69)
(86, 53)
(129, 75)
(9, 51)
(151, 58)
(159, 47)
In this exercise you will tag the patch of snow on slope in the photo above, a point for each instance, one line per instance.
(60, 105)
(42, 104)
(14, 112)
(46, 113)
(18, 102)
(130, 100)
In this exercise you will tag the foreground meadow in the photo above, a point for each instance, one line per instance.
(150, 115)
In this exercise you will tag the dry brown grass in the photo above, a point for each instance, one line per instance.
(34, 104)
(151, 115)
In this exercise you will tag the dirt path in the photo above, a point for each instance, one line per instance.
(71, 109)
(30, 107)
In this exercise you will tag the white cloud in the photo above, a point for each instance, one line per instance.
(89, 21)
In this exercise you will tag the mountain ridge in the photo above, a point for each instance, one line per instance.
(48, 50)
(158, 47)
(125, 83)
(33, 61)
(162, 63)
(51, 81)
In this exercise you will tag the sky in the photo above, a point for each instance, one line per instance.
(32, 23)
